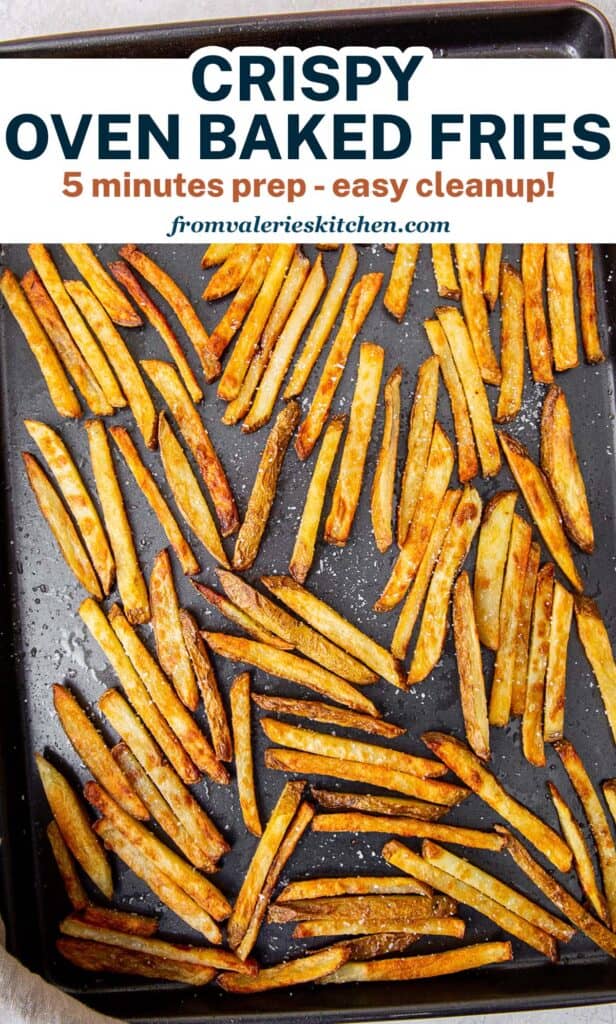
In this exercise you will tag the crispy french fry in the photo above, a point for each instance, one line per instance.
(492, 273)
(538, 496)
(556, 672)
(355, 821)
(61, 525)
(394, 805)
(429, 965)
(319, 712)
(336, 628)
(468, 259)
(118, 920)
(561, 307)
(289, 666)
(582, 860)
(421, 426)
(208, 687)
(538, 340)
(532, 722)
(370, 947)
(170, 646)
(470, 770)
(239, 696)
(468, 467)
(122, 273)
(512, 345)
(66, 866)
(131, 584)
(492, 549)
(318, 888)
(431, 790)
(598, 650)
(560, 464)
(180, 304)
(510, 614)
(230, 275)
(184, 412)
(396, 298)
(292, 972)
(430, 497)
(470, 669)
(235, 614)
(236, 312)
(584, 265)
(96, 956)
(216, 253)
(358, 306)
(444, 272)
(74, 825)
(305, 541)
(455, 548)
(347, 491)
(112, 298)
(347, 264)
(451, 926)
(522, 644)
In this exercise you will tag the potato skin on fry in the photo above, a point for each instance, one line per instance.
(560, 464)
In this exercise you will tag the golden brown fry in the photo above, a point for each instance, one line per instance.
(118, 920)
(66, 866)
(236, 312)
(444, 272)
(598, 650)
(216, 253)
(455, 548)
(131, 583)
(492, 273)
(561, 306)
(582, 860)
(539, 344)
(230, 275)
(468, 259)
(468, 467)
(560, 464)
(235, 614)
(96, 956)
(512, 345)
(292, 972)
(321, 329)
(429, 965)
(112, 298)
(355, 821)
(370, 947)
(206, 681)
(319, 712)
(521, 653)
(358, 306)
(74, 825)
(347, 491)
(122, 273)
(470, 770)
(470, 669)
(556, 672)
(584, 265)
(239, 696)
(61, 525)
(396, 806)
(450, 926)
(538, 496)
(170, 646)
(492, 549)
(166, 380)
(305, 541)
(396, 297)
(359, 885)
(421, 426)
(532, 722)
(510, 614)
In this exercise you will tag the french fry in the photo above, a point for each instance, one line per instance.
(560, 464)
(61, 526)
(455, 548)
(54, 327)
(118, 920)
(292, 972)
(319, 712)
(187, 492)
(320, 331)
(288, 666)
(512, 345)
(285, 346)
(417, 592)
(430, 790)
(66, 866)
(427, 869)
(151, 491)
(429, 965)
(569, 906)
(237, 310)
(470, 669)
(450, 926)
(216, 253)
(184, 412)
(532, 722)
(235, 614)
(468, 259)
(459, 341)
(396, 297)
(587, 298)
(510, 614)
(492, 549)
(74, 825)
(421, 426)
(522, 644)
(170, 647)
(358, 306)
(347, 491)
(94, 753)
(598, 650)
(63, 397)
(370, 947)
(430, 497)
(112, 299)
(208, 687)
(394, 805)
(336, 628)
(444, 272)
(468, 466)
(556, 672)
(355, 821)
(541, 505)
(318, 888)
(180, 304)
(582, 860)
(122, 273)
(492, 273)
(96, 956)
(561, 307)
(460, 760)
(131, 583)
(269, 844)
(537, 337)
(71, 485)
(239, 696)
(80, 333)
(230, 275)
(305, 541)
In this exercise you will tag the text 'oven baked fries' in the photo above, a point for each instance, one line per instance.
(492, 273)
(463, 763)
(582, 860)
(239, 697)
(66, 866)
(532, 722)
(445, 272)
(355, 821)
(598, 650)
(512, 345)
(470, 669)
(556, 672)
(384, 479)
(292, 972)
(98, 957)
(537, 337)
(584, 265)
(396, 298)
(170, 646)
(561, 306)
(112, 298)
(235, 614)
(510, 609)
(208, 687)
(360, 885)
(429, 965)
(319, 712)
(468, 466)
(492, 550)
(305, 541)
(468, 259)
(397, 806)
(421, 426)
(522, 648)
(230, 275)
(560, 464)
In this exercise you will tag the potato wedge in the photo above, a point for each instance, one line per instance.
(430, 965)
(560, 464)
(112, 299)
(512, 345)
(66, 866)
(305, 541)
(522, 644)
(584, 867)
(492, 549)
(421, 426)
(598, 650)
(468, 260)
(587, 298)
(316, 711)
(235, 614)
(118, 920)
(396, 298)
(556, 672)
(470, 669)
(384, 479)
(96, 956)
(532, 722)
(216, 253)
(359, 885)
(292, 972)
(170, 646)
(237, 310)
(468, 466)
(394, 805)
(537, 337)
(561, 306)
(492, 273)
(355, 821)
(239, 696)
(229, 276)
(444, 272)
(510, 615)
(208, 687)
